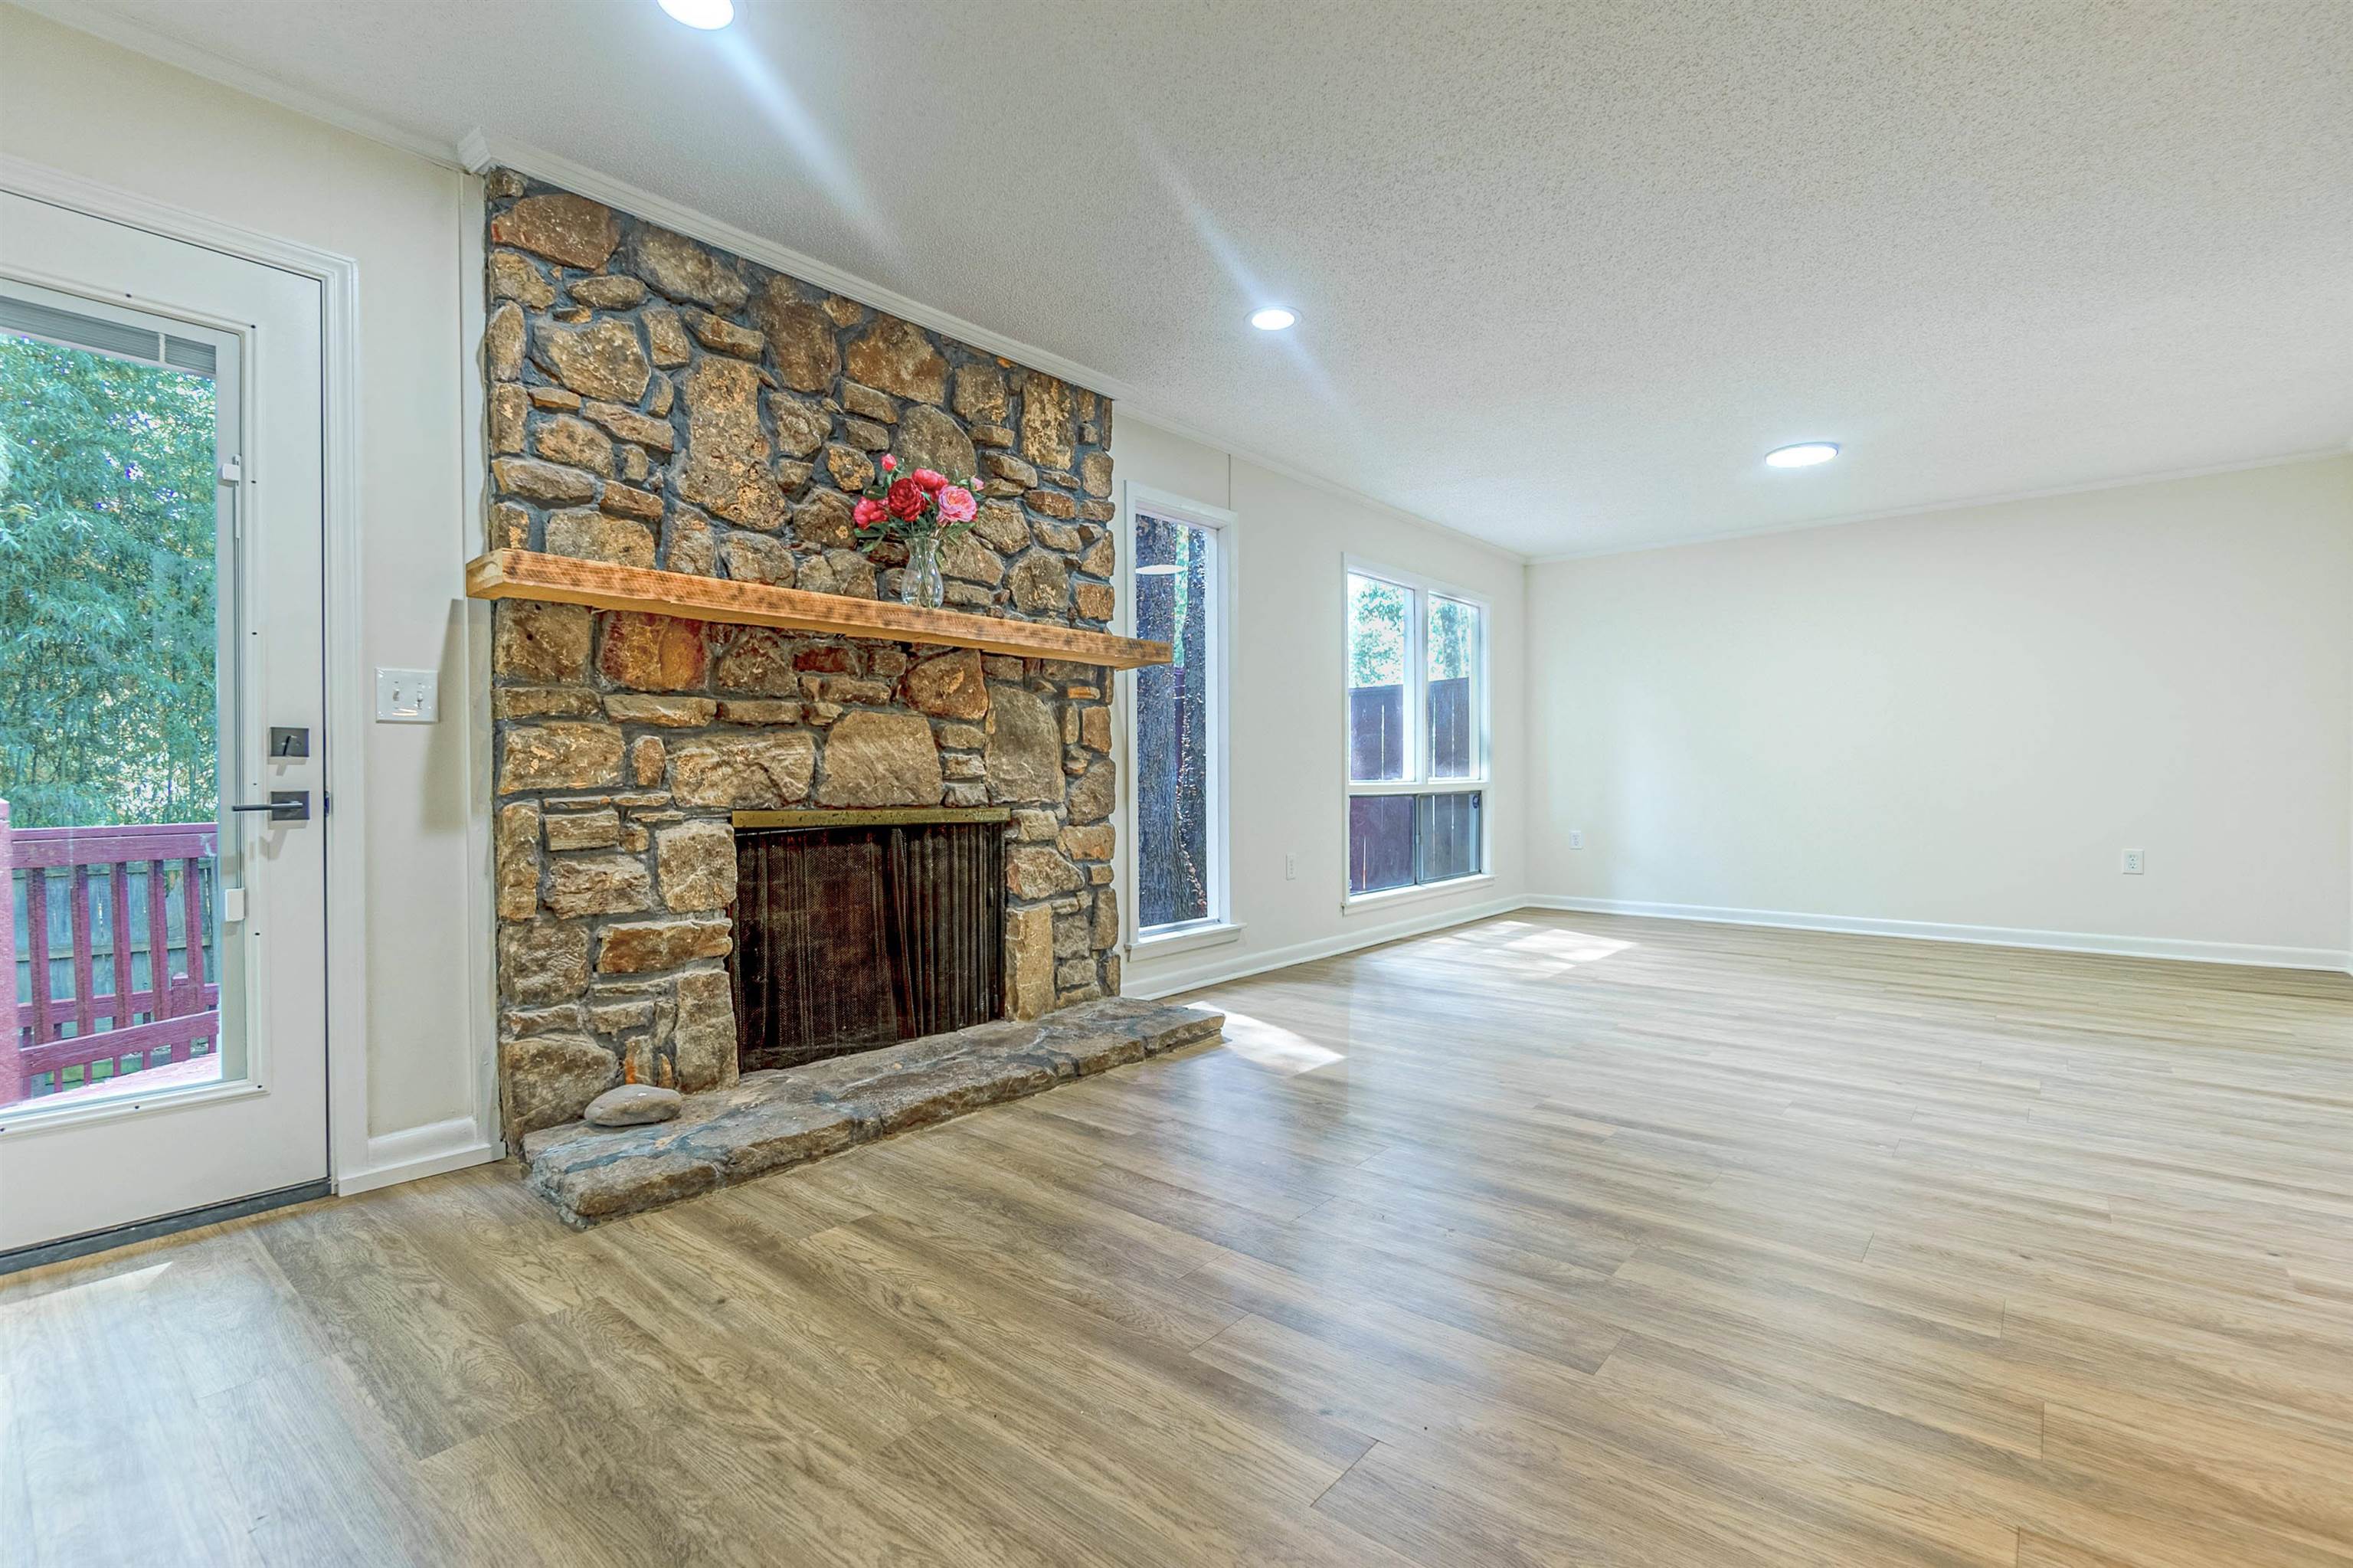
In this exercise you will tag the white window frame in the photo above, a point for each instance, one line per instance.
(1421, 589)
(1219, 925)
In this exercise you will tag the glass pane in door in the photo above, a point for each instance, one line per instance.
(109, 755)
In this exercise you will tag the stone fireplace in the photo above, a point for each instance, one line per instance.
(653, 402)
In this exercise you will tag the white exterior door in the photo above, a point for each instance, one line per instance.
(163, 973)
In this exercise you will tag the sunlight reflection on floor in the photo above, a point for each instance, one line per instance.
(1524, 940)
(131, 1281)
(1569, 947)
(1273, 1047)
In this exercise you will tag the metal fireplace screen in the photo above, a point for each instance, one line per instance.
(850, 937)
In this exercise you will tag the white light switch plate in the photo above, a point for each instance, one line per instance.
(407, 697)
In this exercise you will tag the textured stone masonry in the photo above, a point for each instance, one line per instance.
(654, 402)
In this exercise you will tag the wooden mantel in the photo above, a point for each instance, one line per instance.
(527, 574)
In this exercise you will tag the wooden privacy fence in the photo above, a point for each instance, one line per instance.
(1377, 731)
(69, 922)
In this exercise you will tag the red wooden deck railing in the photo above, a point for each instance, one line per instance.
(71, 1036)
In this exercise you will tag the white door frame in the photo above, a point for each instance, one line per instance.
(346, 690)
(1224, 924)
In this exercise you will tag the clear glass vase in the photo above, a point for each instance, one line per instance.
(919, 581)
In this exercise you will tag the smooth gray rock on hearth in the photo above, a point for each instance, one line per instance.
(771, 1120)
(633, 1105)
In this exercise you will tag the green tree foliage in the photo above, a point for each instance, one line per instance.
(1453, 625)
(107, 628)
(1376, 615)
(1378, 612)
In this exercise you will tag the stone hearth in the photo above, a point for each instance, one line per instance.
(767, 1121)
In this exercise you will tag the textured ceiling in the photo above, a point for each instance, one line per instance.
(1565, 272)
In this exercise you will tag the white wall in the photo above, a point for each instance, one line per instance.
(1962, 718)
(1288, 714)
(79, 105)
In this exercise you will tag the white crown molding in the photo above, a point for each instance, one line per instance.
(1926, 508)
(474, 155)
(198, 60)
(479, 151)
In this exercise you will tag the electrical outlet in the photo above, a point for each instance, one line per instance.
(407, 697)
(1290, 868)
(2135, 862)
(1577, 838)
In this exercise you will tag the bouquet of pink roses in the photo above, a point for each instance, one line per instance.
(911, 506)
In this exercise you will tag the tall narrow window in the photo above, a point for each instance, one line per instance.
(1179, 578)
(1417, 735)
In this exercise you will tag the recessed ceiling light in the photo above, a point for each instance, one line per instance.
(705, 13)
(1274, 318)
(1166, 569)
(1805, 454)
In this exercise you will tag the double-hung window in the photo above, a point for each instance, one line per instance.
(1416, 734)
(1180, 577)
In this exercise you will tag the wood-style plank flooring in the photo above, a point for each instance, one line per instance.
(1556, 1239)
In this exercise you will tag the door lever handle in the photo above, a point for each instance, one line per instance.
(284, 806)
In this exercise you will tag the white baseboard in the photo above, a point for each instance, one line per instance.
(1159, 980)
(416, 1152)
(1982, 936)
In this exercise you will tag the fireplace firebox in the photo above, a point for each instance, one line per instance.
(854, 930)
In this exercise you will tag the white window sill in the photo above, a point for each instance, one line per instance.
(1418, 787)
(1144, 950)
(1375, 902)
